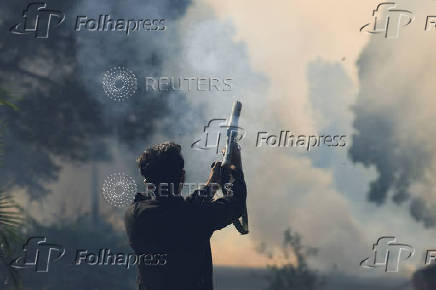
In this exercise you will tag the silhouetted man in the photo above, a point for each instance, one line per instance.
(172, 233)
(425, 278)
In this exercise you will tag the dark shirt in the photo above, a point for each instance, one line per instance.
(175, 233)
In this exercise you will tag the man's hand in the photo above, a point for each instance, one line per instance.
(215, 174)
(236, 156)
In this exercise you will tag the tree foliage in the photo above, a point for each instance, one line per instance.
(80, 234)
(295, 275)
(10, 218)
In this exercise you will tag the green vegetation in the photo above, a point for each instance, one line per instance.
(294, 275)
(10, 220)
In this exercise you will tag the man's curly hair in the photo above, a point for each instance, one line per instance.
(161, 163)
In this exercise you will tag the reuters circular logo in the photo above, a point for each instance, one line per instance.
(119, 83)
(119, 189)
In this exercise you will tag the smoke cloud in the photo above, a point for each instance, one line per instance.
(300, 87)
(283, 183)
(394, 116)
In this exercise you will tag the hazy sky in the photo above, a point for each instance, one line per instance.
(282, 39)
(295, 66)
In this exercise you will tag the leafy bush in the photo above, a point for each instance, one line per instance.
(294, 275)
